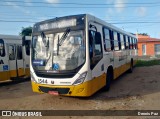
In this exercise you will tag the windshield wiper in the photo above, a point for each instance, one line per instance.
(64, 36)
(62, 39)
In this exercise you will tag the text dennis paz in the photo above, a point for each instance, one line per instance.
(147, 113)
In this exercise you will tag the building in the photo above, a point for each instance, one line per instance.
(148, 46)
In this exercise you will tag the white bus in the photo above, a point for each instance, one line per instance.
(78, 55)
(14, 57)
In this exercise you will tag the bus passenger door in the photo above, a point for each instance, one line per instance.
(96, 56)
(12, 60)
(20, 61)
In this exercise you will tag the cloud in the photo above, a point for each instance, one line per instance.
(158, 14)
(15, 6)
(52, 1)
(119, 5)
(141, 11)
(28, 2)
(12, 4)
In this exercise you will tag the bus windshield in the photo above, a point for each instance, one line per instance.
(50, 53)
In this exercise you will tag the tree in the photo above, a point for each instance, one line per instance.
(26, 31)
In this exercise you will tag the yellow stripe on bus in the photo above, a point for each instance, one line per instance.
(21, 72)
(27, 72)
(87, 88)
(120, 70)
(13, 73)
(4, 76)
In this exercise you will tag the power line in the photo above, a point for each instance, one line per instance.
(16, 21)
(80, 7)
(111, 22)
(133, 22)
(74, 3)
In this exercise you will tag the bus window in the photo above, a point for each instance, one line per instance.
(2, 48)
(116, 46)
(95, 47)
(122, 41)
(107, 39)
(19, 52)
(136, 45)
(126, 42)
(131, 43)
(11, 52)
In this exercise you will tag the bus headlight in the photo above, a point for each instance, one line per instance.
(80, 79)
(32, 78)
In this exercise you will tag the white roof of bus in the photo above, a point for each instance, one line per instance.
(109, 25)
(15, 37)
(9, 37)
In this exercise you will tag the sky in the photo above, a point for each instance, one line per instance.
(135, 16)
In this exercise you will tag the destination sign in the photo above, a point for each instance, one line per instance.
(57, 24)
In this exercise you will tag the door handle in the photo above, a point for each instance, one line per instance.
(102, 67)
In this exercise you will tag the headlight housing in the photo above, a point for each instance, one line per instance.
(80, 79)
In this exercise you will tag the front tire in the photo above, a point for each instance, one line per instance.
(109, 78)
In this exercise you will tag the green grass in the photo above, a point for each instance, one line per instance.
(142, 63)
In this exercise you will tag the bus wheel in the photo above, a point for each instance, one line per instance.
(131, 67)
(109, 78)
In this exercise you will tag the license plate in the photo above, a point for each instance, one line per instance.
(53, 92)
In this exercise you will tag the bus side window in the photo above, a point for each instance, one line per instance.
(129, 42)
(126, 42)
(122, 42)
(90, 44)
(136, 44)
(2, 48)
(115, 36)
(119, 41)
(11, 52)
(135, 41)
(107, 39)
(19, 52)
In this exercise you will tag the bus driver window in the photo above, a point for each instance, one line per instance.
(2, 49)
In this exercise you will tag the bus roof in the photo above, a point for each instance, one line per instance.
(90, 17)
(15, 37)
(9, 37)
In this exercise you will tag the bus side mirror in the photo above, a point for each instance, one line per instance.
(34, 41)
(97, 38)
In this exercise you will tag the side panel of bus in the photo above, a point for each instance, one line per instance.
(26, 53)
(97, 65)
(4, 68)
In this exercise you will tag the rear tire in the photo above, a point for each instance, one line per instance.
(131, 67)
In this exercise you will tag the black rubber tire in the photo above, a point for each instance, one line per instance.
(131, 67)
(108, 80)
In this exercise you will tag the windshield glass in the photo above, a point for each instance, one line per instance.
(56, 55)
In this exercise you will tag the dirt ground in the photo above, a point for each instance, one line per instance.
(139, 90)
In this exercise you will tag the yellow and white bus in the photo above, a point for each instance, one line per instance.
(78, 55)
(14, 57)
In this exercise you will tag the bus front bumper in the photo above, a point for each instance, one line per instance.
(82, 90)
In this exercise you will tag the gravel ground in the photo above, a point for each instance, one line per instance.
(139, 90)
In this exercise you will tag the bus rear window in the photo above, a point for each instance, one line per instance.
(2, 48)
